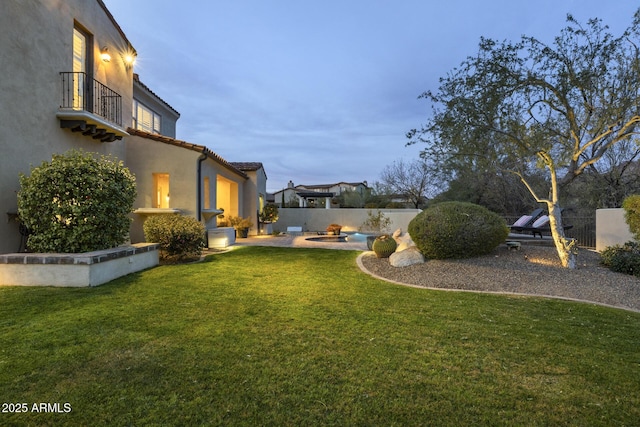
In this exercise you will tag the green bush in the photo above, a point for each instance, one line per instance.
(631, 206)
(76, 203)
(457, 230)
(622, 259)
(180, 237)
(376, 222)
(269, 213)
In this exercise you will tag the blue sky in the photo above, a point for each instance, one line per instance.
(323, 91)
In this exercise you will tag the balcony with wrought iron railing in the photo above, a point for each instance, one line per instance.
(90, 107)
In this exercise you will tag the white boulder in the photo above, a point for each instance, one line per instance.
(406, 257)
(403, 240)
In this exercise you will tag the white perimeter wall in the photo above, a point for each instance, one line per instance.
(351, 219)
(611, 228)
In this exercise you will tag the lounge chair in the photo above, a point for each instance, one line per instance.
(526, 221)
(541, 225)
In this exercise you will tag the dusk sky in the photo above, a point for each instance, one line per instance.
(321, 92)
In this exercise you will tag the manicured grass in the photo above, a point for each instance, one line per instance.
(279, 336)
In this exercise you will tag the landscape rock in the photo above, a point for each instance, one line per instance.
(403, 240)
(406, 257)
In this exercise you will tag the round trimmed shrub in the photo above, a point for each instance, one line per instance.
(457, 230)
(631, 206)
(180, 237)
(76, 203)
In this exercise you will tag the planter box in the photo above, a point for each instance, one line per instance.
(221, 237)
(76, 270)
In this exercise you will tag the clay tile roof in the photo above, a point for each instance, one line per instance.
(136, 79)
(247, 166)
(189, 146)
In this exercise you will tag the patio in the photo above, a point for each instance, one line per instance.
(300, 241)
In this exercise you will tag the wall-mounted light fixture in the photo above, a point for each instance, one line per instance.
(104, 54)
(129, 59)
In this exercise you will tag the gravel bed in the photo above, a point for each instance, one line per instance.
(532, 270)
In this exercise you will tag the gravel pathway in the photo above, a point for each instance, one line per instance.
(531, 270)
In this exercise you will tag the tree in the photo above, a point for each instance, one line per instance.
(561, 107)
(410, 180)
(498, 191)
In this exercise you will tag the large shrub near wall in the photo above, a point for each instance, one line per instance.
(457, 230)
(623, 259)
(76, 203)
(631, 206)
(180, 237)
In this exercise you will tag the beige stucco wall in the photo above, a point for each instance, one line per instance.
(611, 228)
(146, 157)
(255, 187)
(350, 219)
(35, 46)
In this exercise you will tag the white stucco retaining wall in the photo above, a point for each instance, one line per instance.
(311, 219)
(76, 270)
(611, 228)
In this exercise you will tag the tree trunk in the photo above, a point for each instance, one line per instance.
(567, 248)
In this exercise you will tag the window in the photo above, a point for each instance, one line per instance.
(145, 119)
(161, 190)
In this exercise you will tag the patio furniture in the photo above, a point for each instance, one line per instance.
(526, 221)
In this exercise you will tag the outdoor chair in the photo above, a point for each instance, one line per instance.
(540, 225)
(526, 221)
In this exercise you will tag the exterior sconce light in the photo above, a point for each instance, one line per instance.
(129, 60)
(104, 54)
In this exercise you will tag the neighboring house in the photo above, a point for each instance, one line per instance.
(68, 83)
(58, 92)
(316, 194)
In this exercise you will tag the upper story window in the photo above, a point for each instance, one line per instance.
(80, 43)
(145, 119)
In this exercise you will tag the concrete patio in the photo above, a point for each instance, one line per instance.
(300, 241)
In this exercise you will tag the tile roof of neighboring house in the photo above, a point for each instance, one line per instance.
(136, 78)
(306, 186)
(194, 147)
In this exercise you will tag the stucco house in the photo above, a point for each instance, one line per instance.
(254, 192)
(314, 195)
(68, 83)
(59, 90)
(175, 176)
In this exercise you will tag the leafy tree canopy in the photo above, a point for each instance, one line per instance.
(560, 107)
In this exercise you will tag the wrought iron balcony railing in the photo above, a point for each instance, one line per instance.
(81, 92)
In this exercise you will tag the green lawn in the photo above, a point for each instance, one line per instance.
(279, 336)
